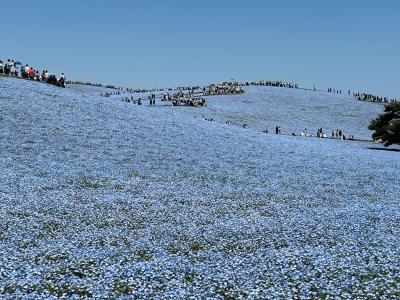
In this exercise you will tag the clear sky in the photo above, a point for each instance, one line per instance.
(346, 44)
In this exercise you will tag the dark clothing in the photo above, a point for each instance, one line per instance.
(52, 80)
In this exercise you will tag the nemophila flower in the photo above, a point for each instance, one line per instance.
(103, 199)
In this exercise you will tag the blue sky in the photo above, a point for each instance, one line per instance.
(346, 44)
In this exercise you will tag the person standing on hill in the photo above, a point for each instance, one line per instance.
(22, 70)
(61, 80)
(26, 71)
(42, 77)
(46, 76)
(7, 67)
(1, 67)
(13, 70)
(31, 74)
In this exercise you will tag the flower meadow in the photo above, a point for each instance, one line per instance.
(104, 199)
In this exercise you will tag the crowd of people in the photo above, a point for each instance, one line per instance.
(120, 90)
(291, 85)
(222, 89)
(139, 101)
(234, 87)
(373, 98)
(337, 91)
(178, 99)
(16, 69)
(193, 91)
(364, 96)
(133, 100)
(193, 97)
(109, 94)
(261, 83)
(188, 88)
(187, 99)
(108, 86)
(336, 133)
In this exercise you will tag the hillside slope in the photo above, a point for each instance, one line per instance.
(100, 198)
(292, 109)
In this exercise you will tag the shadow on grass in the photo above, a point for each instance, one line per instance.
(384, 149)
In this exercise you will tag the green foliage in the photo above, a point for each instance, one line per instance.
(122, 288)
(387, 125)
(143, 255)
(87, 183)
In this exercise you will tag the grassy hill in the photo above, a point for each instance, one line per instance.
(102, 198)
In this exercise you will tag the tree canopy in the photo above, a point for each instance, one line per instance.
(387, 125)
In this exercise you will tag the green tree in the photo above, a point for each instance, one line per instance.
(387, 125)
